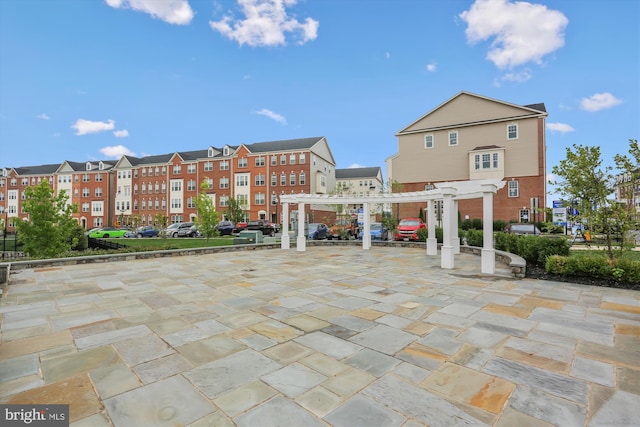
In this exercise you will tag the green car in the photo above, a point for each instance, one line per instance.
(105, 232)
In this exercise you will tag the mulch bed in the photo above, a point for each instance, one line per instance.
(535, 271)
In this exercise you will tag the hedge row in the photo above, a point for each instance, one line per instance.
(618, 269)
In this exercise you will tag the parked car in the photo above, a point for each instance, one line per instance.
(106, 232)
(318, 231)
(144, 231)
(260, 225)
(225, 228)
(408, 229)
(344, 227)
(187, 229)
(377, 230)
(521, 229)
(179, 229)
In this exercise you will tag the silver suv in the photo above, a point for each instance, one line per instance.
(180, 229)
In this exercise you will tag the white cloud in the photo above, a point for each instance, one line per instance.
(121, 133)
(599, 101)
(116, 151)
(84, 127)
(43, 116)
(523, 32)
(275, 116)
(432, 67)
(560, 127)
(355, 166)
(266, 23)
(520, 76)
(171, 11)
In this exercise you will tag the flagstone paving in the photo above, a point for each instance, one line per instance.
(334, 336)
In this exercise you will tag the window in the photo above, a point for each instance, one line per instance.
(513, 188)
(274, 160)
(191, 203)
(177, 169)
(85, 177)
(164, 204)
(302, 158)
(260, 179)
(144, 171)
(303, 178)
(210, 152)
(495, 160)
(224, 182)
(323, 181)
(283, 159)
(242, 180)
(157, 171)
(224, 200)
(209, 182)
(97, 222)
(208, 166)
(292, 159)
(524, 215)
(99, 192)
(157, 204)
(191, 185)
(476, 162)
(164, 170)
(486, 161)
(144, 205)
(176, 203)
(164, 187)
(224, 165)
(176, 185)
(259, 199)
(157, 187)
(453, 138)
(428, 141)
(13, 195)
(135, 188)
(242, 163)
(150, 188)
(135, 205)
(274, 179)
(243, 200)
(14, 182)
(85, 207)
(85, 192)
(512, 131)
(191, 168)
(144, 188)
(292, 179)
(96, 207)
(283, 179)
(135, 173)
(260, 161)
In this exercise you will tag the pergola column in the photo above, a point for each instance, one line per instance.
(447, 251)
(301, 242)
(432, 241)
(366, 231)
(284, 239)
(455, 238)
(488, 253)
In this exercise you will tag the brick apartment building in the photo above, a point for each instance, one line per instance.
(474, 137)
(110, 192)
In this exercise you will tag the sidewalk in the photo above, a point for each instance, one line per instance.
(334, 336)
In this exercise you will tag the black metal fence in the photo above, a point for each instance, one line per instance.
(11, 247)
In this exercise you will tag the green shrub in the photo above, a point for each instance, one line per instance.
(547, 247)
(506, 242)
(555, 264)
(499, 225)
(594, 266)
(422, 234)
(476, 223)
(465, 225)
(473, 237)
(625, 270)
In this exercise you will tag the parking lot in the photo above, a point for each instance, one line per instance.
(334, 336)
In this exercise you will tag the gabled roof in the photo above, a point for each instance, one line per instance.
(517, 112)
(284, 145)
(194, 155)
(37, 170)
(355, 173)
(487, 147)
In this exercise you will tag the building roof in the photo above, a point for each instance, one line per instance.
(356, 173)
(538, 107)
(38, 170)
(285, 145)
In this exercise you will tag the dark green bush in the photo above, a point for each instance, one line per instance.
(476, 223)
(625, 270)
(422, 234)
(499, 225)
(534, 249)
(555, 264)
(473, 237)
(506, 242)
(594, 266)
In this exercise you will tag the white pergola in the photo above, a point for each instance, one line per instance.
(447, 192)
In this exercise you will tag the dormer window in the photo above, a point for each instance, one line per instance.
(225, 150)
(5, 172)
(210, 152)
(101, 166)
(88, 166)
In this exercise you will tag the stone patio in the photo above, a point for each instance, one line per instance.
(334, 336)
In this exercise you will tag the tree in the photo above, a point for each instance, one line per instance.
(235, 211)
(587, 186)
(50, 228)
(161, 221)
(207, 218)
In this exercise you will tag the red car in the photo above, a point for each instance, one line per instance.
(408, 229)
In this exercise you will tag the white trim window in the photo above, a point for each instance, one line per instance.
(453, 137)
(428, 141)
(512, 131)
(513, 189)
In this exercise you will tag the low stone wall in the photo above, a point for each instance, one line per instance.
(516, 263)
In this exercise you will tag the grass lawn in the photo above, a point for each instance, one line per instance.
(630, 255)
(158, 244)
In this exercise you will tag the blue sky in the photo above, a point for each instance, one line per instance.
(95, 79)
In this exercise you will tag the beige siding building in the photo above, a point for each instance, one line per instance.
(474, 137)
